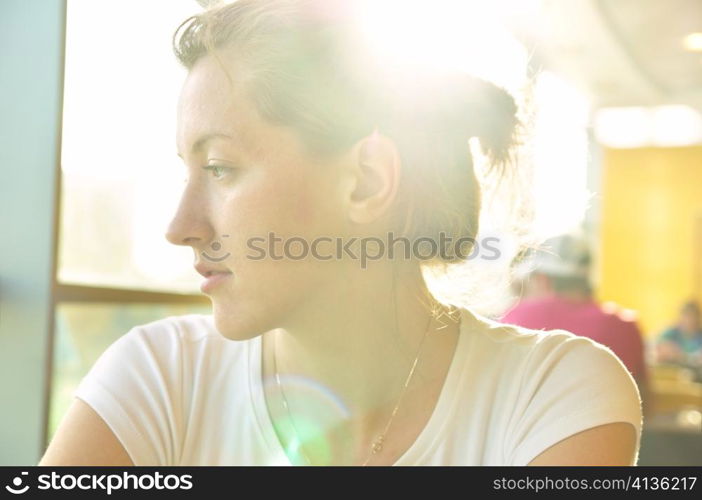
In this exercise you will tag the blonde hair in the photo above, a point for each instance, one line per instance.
(302, 70)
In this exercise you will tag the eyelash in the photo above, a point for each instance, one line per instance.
(213, 167)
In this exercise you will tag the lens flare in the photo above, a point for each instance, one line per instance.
(314, 413)
(468, 36)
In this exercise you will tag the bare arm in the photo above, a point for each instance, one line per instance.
(610, 444)
(83, 438)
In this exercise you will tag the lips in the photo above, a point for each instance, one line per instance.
(213, 275)
(214, 280)
(206, 270)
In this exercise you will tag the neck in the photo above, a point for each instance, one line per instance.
(347, 341)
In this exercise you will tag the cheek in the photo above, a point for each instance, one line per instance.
(265, 290)
(291, 203)
(286, 205)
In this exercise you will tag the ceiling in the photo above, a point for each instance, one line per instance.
(620, 52)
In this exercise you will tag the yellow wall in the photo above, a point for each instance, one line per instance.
(651, 204)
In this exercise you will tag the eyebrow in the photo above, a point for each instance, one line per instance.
(200, 143)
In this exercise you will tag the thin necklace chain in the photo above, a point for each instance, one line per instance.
(377, 445)
(287, 407)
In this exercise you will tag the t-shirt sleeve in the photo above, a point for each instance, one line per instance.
(571, 384)
(134, 387)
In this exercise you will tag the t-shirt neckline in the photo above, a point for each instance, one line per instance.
(425, 441)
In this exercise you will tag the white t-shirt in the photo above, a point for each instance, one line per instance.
(176, 392)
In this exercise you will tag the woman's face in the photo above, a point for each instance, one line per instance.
(264, 183)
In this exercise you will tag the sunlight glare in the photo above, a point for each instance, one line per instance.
(464, 36)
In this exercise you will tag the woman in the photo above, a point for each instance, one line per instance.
(324, 347)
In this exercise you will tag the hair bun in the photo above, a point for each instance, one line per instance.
(457, 105)
(479, 108)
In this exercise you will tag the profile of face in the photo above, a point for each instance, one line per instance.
(247, 178)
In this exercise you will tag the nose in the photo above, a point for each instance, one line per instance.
(190, 225)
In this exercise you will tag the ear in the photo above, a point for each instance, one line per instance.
(376, 171)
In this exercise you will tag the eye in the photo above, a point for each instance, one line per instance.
(218, 171)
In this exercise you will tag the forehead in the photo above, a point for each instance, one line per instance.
(210, 103)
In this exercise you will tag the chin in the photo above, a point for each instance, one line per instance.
(235, 325)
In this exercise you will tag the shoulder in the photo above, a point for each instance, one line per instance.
(187, 328)
(159, 350)
(527, 344)
(147, 383)
(558, 355)
(165, 358)
(555, 384)
(533, 343)
(185, 353)
(178, 338)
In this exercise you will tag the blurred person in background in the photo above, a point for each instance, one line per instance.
(555, 293)
(682, 343)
